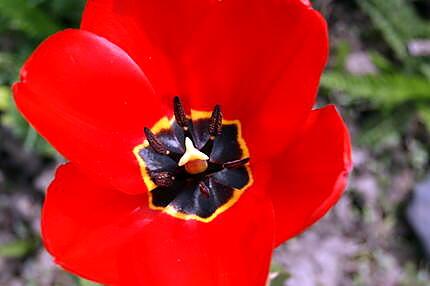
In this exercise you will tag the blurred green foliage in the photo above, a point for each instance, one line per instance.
(278, 275)
(83, 282)
(400, 91)
(17, 249)
(23, 25)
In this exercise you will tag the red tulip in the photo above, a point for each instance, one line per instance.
(132, 207)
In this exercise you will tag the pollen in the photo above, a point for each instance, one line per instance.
(196, 167)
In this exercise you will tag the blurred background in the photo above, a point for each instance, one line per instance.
(378, 76)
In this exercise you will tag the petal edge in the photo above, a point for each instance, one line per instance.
(311, 174)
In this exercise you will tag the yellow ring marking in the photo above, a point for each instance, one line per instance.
(165, 123)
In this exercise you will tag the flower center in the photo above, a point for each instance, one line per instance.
(194, 167)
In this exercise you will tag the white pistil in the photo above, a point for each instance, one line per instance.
(191, 153)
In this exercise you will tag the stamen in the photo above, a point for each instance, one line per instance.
(236, 163)
(204, 189)
(196, 150)
(180, 116)
(155, 143)
(215, 125)
(163, 179)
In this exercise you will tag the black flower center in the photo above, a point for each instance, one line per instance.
(194, 167)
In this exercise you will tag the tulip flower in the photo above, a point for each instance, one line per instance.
(192, 144)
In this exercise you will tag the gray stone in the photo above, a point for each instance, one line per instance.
(418, 213)
(359, 63)
(419, 47)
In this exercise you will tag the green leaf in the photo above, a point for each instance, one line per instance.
(4, 98)
(280, 279)
(381, 62)
(83, 282)
(379, 132)
(424, 113)
(9, 65)
(398, 23)
(385, 90)
(16, 249)
(279, 273)
(343, 49)
(389, 32)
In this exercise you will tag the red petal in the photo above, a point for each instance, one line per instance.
(246, 50)
(85, 226)
(122, 23)
(293, 94)
(167, 25)
(309, 177)
(261, 60)
(113, 238)
(91, 101)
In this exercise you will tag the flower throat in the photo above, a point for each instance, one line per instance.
(194, 167)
